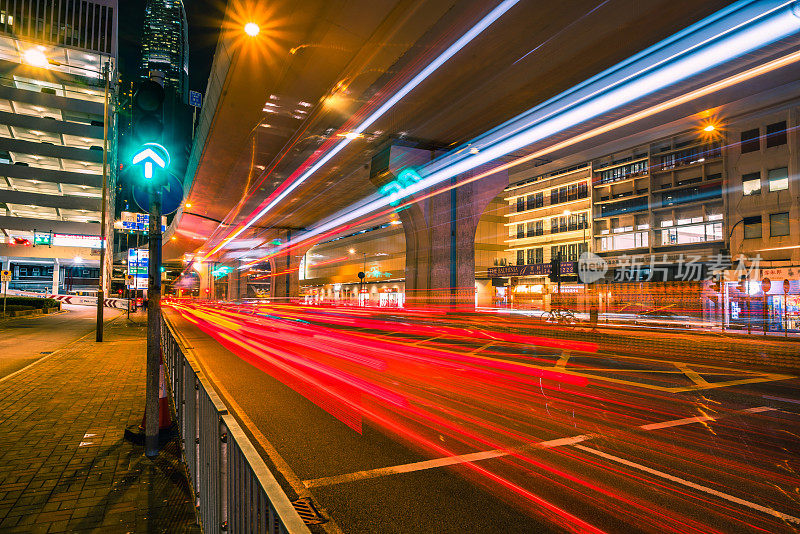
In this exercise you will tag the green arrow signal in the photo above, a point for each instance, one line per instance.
(149, 155)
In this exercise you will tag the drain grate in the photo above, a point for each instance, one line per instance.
(308, 511)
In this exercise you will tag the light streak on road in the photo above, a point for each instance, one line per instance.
(429, 379)
(409, 86)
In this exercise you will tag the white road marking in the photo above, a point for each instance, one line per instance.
(710, 491)
(699, 419)
(496, 453)
(438, 462)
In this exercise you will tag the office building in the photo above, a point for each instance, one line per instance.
(53, 59)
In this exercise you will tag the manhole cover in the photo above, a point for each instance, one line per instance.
(308, 511)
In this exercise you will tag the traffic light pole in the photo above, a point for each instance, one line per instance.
(153, 323)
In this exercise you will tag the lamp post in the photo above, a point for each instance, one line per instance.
(104, 196)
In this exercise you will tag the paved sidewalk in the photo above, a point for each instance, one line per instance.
(64, 466)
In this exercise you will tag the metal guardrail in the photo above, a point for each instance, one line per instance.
(234, 490)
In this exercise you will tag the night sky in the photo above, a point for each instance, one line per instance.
(204, 17)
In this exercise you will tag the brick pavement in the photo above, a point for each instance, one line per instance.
(64, 466)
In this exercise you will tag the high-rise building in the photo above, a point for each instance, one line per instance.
(165, 44)
(56, 115)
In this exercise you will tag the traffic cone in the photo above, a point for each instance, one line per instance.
(166, 429)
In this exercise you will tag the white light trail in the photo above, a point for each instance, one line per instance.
(462, 41)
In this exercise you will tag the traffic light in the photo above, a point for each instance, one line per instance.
(148, 113)
(555, 268)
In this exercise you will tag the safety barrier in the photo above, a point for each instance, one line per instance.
(234, 490)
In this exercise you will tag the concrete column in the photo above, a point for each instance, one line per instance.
(235, 282)
(55, 276)
(206, 281)
(440, 230)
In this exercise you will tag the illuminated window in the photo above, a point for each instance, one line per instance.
(778, 179)
(751, 184)
(520, 257)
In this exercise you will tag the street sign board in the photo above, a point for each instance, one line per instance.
(171, 195)
(130, 280)
(196, 99)
(5, 276)
(139, 221)
(42, 238)
(137, 266)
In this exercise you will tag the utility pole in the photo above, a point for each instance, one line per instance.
(101, 278)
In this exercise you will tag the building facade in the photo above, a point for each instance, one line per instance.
(165, 44)
(691, 224)
(55, 118)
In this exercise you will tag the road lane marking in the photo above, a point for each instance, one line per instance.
(699, 487)
(562, 361)
(693, 376)
(438, 462)
(498, 453)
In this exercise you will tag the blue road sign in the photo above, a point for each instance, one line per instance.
(171, 195)
(196, 99)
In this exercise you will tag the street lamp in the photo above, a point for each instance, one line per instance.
(252, 29)
(100, 285)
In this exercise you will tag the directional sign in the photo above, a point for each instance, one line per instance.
(5, 276)
(171, 195)
(196, 99)
(149, 156)
(130, 280)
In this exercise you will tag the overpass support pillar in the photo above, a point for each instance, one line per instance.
(206, 280)
(285, 280)
(235, 291)
(55, 276)
(440, 229)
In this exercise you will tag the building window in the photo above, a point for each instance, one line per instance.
(752, 227)
(779, 224)
(750, 141)
(751, 183)
(539, 199)
(520, 257)
(539, 227)
(778, 179)
(776, 134)
(553, 196)
(554, 225)
(583, 190)
(563, 195)
(531, 256)
(529, 202)
(553, 253)
(520, 231)
(520, 204)
(531, 229)
(539, 255)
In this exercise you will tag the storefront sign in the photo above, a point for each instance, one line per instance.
(73, 240)
(536, 269)
(42, 239)
(781, 273)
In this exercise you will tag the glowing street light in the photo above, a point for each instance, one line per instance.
(351, 135)
(352, 251)
(36, 57)
(252, 29)
(709, 128)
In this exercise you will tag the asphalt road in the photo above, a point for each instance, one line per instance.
(23, 340)
(427, 422)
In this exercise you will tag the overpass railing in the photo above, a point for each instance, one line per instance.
(233, 488)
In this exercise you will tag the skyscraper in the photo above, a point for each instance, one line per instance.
(165, 44)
